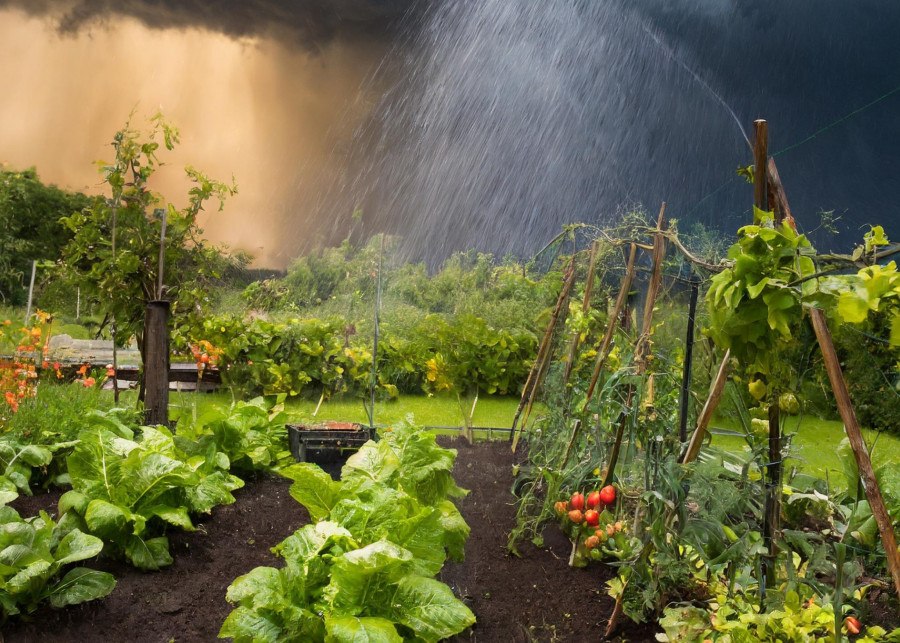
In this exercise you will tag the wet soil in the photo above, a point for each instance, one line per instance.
(532, 597)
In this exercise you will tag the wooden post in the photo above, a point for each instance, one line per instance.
(688, 362)
(777, 196)
(712, 403)
(760, 162)
(156, 363)
(603, 353)
(860, 452)
(773, 467)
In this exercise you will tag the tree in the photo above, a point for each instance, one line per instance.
(114, 254)
(29, 227)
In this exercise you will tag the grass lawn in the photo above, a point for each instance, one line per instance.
(815, 441)
(814, 445)
(438, 411)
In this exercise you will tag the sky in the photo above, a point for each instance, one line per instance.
(461, 124)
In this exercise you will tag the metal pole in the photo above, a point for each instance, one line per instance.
(30, 291)
(375, 342)
(688, 361)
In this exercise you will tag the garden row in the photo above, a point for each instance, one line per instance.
(387, 525)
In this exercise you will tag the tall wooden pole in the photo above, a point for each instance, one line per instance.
(860, 452)
(772, 510)
(688, 362)
(156, 363)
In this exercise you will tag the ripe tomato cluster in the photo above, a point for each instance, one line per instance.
(596, 502)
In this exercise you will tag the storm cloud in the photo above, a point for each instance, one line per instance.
(307, 23)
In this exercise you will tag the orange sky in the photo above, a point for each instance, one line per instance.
(249, 108)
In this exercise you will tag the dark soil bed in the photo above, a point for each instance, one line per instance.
(535, 597)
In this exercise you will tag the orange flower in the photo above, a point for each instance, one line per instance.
(110, 372)
(89, 382)
(83, 369)
(45, 364)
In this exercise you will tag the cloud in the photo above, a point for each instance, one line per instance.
(308, 24)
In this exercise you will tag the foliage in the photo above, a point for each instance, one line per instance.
(124, 281)
(364, 569)
(251, 435)
(732, 618)
(29, 228)
(125, 491)
(34, 553)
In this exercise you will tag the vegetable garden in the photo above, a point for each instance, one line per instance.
(645, 487)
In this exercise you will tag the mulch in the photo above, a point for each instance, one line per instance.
(532, 597)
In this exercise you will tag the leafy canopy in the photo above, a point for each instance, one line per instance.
(131, 219)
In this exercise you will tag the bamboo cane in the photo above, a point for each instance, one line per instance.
(712, 403)
(585, 306)
(534, 377)
(860, 452)
(603, 353)
(642, 348)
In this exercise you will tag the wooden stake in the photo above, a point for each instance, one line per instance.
(777, 196)
(533, 383)
(642, 348)
(760, 161)
(860, 452)
(585, 306)
(611, 326)
(712, 403)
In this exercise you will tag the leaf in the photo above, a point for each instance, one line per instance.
(356, 575)
(73, 500)
(366, 629)
(313, 488)
(106, 520)
(29, 580)
(177, 516)
(852, 307)
(261, 588)
(150, 554)
(77, 546)
(247, 626)
(429, 608)
(81, 584)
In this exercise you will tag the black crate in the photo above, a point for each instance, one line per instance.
(325, 436)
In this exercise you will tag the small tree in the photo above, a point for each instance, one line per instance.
(114, 255)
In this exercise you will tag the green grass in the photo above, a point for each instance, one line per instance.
(441, 411)
(814, 445)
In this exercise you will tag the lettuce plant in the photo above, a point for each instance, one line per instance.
(126, 491)
(364, 569)
(33, 555)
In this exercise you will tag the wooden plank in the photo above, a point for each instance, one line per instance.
(860, 451)
(777, 196)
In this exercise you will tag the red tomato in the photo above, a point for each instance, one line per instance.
(576, 516)
(853, 624)
(608, 494)
(593, 499)
(592, 518)
(577, 501)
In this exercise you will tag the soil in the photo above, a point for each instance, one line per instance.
(533, 597)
